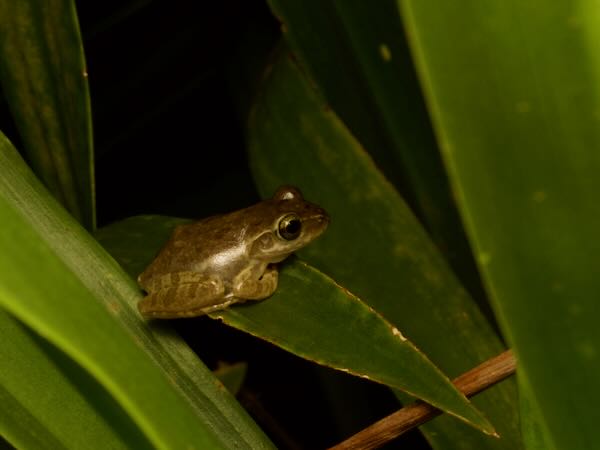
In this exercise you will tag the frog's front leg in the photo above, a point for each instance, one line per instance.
(183, 294)
(253, 289)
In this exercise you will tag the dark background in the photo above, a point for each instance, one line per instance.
(169, 134)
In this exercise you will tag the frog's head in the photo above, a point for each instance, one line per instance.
(291, 223)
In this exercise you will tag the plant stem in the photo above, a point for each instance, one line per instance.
(469, 383)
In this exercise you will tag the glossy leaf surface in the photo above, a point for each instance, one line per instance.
(359, 58)
(375, 247)
(80, 300)
(44, 79)
(513, 88)
(37, 381)
(313, 317)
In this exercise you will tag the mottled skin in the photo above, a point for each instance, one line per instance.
(208, 265)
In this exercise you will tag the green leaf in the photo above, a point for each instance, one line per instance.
(29, 419)
(60, 283)
(513, 88)
(44, 78)
(311, 316)
(374, 245)
(360, 60)
(60, 307)
(232, 376)
(535, 436)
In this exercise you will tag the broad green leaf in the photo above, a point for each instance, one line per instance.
(20, 429)
(514, 91)
(374, 245)
(44, 79)
(535, 436)
(60, 282)
(313, 317)
(43, 400)
(359, 58)
(56, 304)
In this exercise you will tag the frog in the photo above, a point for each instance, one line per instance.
(226, 259)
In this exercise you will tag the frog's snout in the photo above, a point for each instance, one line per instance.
(320, 215)
(322, 218)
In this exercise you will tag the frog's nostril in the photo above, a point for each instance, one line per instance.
(322, 217)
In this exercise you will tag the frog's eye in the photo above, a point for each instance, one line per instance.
(290, 227)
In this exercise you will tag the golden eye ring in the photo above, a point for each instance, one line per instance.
(290, 227)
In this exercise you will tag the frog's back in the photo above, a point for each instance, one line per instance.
(191, 244)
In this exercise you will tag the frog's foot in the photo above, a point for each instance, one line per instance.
(184, 294)
(257, 289)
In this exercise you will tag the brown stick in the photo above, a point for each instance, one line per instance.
(469, 383)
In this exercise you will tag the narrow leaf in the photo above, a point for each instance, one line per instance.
(60, 308)
(79, 300)
(359, 58)
(29, 419)
(311, 316)
(44, 78)
(374, 246)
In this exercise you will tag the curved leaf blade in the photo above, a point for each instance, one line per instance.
(519, 131)
(29, 419)
(313, 317)
(177, 390)
(359, 57)
(20, 429)
(44, 78)
(374, 246)
(60, 308)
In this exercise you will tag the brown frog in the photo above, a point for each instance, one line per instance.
(221, 260)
